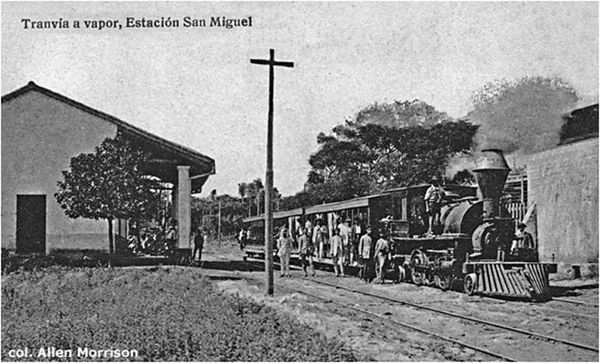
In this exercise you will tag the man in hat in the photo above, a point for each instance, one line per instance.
(284, 250)
(365, 247)
(434, 197)
(345, 232)
(307, 249)
(381, 254)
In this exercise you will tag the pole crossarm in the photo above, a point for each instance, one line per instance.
(269, 62)
(272, 63)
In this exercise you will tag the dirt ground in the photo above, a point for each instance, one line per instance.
(381, 340)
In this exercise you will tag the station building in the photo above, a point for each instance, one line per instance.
(41, 131)
(563, 186)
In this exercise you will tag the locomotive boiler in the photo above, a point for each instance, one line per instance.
(474, 246)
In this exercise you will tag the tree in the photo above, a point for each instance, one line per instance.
(204, 213)
(386, 146)
(255, 191)
(523, 115)
(108, 184)
(400, 114)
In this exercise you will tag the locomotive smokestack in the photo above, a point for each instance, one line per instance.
(491, 171)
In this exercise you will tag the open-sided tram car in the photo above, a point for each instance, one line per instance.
(255, 241)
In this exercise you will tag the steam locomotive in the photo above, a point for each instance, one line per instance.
(475, 244)
(470, 252)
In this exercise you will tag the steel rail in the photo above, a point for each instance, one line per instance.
(404, 325)
(448, 313)
(475, 320)
(574, 302)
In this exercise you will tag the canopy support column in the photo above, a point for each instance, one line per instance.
(184, 206)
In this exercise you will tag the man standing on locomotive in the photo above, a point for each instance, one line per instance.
(433, 203)
(364, 254)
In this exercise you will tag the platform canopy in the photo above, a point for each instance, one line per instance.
(166, 155)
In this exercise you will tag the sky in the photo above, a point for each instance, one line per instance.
(196, 86)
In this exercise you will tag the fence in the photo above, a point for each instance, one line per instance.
(516, 210)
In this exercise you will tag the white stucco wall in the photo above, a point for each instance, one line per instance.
(564, 184)
(39, 137)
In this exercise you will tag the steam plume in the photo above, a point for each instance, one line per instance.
(523, 115)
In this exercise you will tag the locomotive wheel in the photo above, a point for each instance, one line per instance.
(444, 282)
(417, 278)
(429, 280)
(418, 258)
(470, 284)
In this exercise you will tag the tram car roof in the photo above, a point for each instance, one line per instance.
(448, 188)
(344, 204)
(276, 215)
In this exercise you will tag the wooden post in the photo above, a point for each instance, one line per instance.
(219, 225)
(269, 174)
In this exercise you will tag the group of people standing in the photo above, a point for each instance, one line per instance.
(368, 256)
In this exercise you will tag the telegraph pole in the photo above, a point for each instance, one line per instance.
(269, 175)
(219, 226)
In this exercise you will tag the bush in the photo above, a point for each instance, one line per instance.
(163, 314)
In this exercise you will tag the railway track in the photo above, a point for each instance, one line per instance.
(482, 322)
(575, 302)
(386, 319)
(459, 316)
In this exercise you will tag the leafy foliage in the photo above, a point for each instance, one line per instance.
(164, 315)
(108, 184)
(400, 114)
(386, 146)
(233, 209)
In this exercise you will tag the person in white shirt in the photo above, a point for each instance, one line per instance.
(434, 196)
(337, 253)
(284, 251)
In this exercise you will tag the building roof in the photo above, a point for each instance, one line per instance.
(166, 154)
(580, 124)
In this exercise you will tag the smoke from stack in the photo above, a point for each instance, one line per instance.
(522, 116)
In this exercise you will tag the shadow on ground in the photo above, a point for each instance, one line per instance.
(233, 265)
(570, 291)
